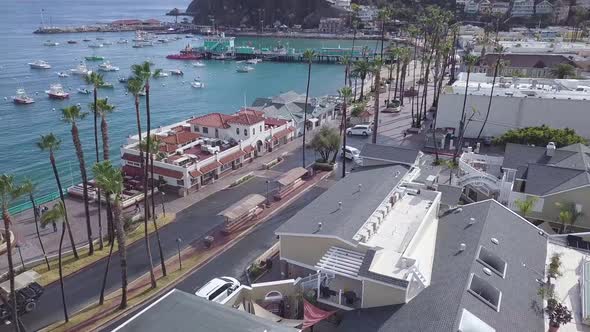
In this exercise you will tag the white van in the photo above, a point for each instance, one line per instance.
(361, 129)
(350, 153)
(218, 289)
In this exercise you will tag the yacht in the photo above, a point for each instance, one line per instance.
(84, 91)
(198, 64)
(56, 91)
(106, 85)
(254, 61)
(50, 43)
(162, 74)
(176, 72)
(197, 84)
(244, 69)
(81, 70)
(39, 64)
(107, 66)
(22, 98)
(62, 74)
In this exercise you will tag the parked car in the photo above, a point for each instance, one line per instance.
(350, 153)
(218, 289)
(361, 129)
(392, 106)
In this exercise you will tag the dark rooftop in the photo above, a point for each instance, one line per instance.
(439, 306)
(524, 60)
(450, 194)
(180, 311)
(357, 203)
(389, 153)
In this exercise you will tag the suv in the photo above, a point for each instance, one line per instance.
(364, 130)
(350, 153)
(218, 289)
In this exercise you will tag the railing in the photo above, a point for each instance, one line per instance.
(38, 201)
(473, 173)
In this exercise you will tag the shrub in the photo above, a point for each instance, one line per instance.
(540, 136)
(326, 142)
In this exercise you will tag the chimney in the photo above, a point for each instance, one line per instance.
(550, 149)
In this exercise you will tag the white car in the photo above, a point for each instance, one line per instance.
(218, 289)
(364, 130)
(350, 153)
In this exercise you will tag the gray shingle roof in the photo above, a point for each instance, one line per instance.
(518, 156)
(544, 180)
(450, 194)
(394, 154)
(439, 306)
(357, 205)
(180, 311)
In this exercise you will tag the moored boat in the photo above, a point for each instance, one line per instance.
(188, 53)
(198, 64)
(22, 98)
(123, 79)
(253, 61)
(106, 85)
(72, 42)
(176, 72)
(39, 64)
(95, 45)
(107, 66)
(81, 70)
(50, 43)
(56, 91)
(94, 58)
(62, 74)
(197, 84)
(84, 91)
(244, 69)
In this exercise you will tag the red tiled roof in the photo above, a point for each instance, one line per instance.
(131, 157)
(283, 133)
(214, 120)
(274, 122)
(248, 149)
(168, 172)
(181, 138)
(251, 112)
(231, 157)
(210, 167)
(245, 119)
(168, 148)
(195, 173)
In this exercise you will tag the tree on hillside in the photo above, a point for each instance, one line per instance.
(540, 136)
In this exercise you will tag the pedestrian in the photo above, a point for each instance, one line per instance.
(137, 208)
(405, 133)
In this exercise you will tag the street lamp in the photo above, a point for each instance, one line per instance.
(21, 256)
(178, 242)
(163, 206)
(267, 184)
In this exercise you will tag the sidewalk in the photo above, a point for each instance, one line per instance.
(23, 224)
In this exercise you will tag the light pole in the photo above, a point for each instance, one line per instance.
(267, 184)
(163, 206)
(21, 256)
(178, 242)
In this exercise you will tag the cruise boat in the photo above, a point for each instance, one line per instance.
(188, 53)
(197, 84)
(56, 91)
(22, 98)
(244, 69)
(84, 91)
(198, 64)
(94, 58)
(62, 74)
(39, 64)
(50, 43)
(107, 66)
(95, 45)
(176, 72)
(81, 70)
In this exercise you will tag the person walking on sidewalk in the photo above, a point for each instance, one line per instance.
(42, 212)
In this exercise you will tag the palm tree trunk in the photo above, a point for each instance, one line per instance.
(396, 78)
(154, 219)
(462, 122)
(80, 155)
(355, 84)
(60, 267)
(112, 244)
(453, 60)
(36, 215)
(100, 240)
(145, 187)
(377, 97)
(7, 222)
(63, 200)
(122, 250)
(362, 88)
(343, 138)
(305, 113)
(491, 97)
(104, 129)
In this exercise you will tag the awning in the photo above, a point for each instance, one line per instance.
(243, 206)
(231, 157)
(341, 261)
(208, 168)
(291, 176)
(313, 315)
(313, 120)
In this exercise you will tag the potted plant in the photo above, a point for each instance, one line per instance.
(553, 271)
(558, 314)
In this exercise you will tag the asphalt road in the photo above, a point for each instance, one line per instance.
(234, 261)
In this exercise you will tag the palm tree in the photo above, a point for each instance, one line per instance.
(354, 9)
(470, 61)
(382, 16)
(499, 63)
(104, 109)
(563, 70)
(393, 55)
(51, 144)
(71, 115)
(568, 214)
(59, 214)
(377, 63)
(110, 180)
(451, 166)
(154, 150)
(29, 188)
(362, 68)
(345, 93)
(346, 62)
(96, 80)
(135, 86)
(308, 55)
(525, 206)
(9, 192)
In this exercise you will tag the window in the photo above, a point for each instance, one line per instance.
(471, 323)
(180, 182)
(484, 291)
(260, 128)
(253, 131)
(492, 261)
(218, 291)
(205, 130)
(197, 129)
(245, 132)
(237, 131)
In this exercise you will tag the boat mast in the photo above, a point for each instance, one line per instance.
(42, 19)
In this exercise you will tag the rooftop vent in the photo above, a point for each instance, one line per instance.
(319, 226)
(472, 221)
(551, 149)
(495, 241)
(462, 247)
(487, 271)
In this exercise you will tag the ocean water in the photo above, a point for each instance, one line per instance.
(172, 98)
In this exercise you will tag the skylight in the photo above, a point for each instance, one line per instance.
(492, 261)
(472, 323)
(485, 292)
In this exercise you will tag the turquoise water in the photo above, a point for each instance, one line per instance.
(173, 99)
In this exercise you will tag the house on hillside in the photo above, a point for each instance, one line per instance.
(523, 64)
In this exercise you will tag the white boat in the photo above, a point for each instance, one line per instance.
(122, 41)
(176, 72)
(95, 45)
(198, 64)
(39, 64)
(123, 79)
(62, 74)
(162, 74)
(244, 69)
(253, 61)
(56, 91)
(108, 43)
(50, 43)
(197, 84)
(22, 98)
(107, 66)
(81, 70)
(84, 91)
